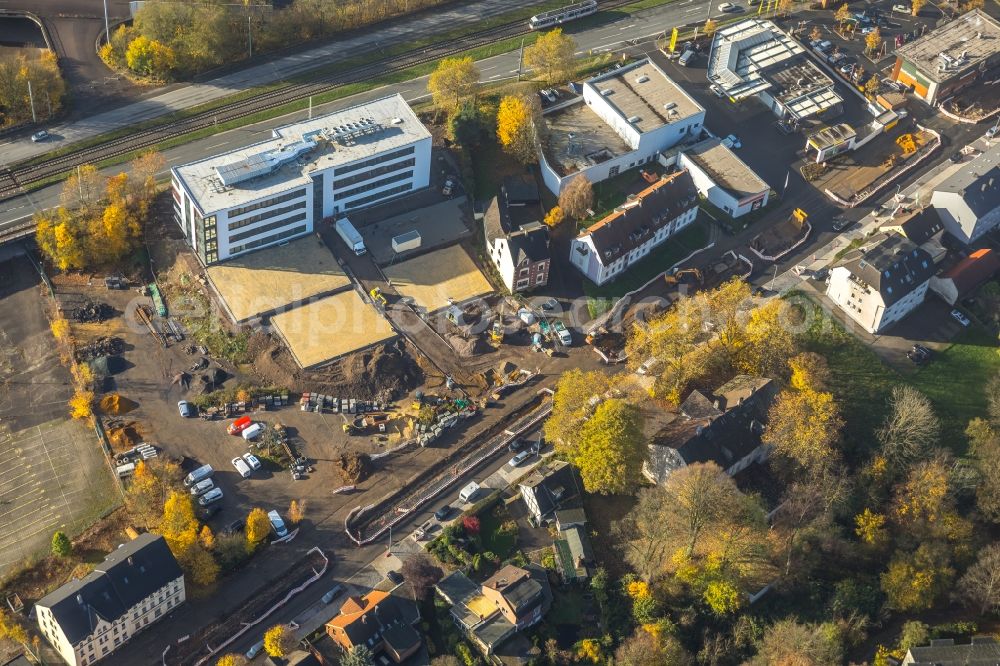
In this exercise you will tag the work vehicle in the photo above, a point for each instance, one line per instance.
(239, 425)
(202, 487)
(211, 497)
(186, 409)
(350, 236)
(252, 461)
(277, 524)
(565, 337)
(241, 467)
(562, 15)
(378, 298)
(469, 492)
(253, 431)
(519, 458)
(197, 475)
(959, 317)
(686, 57)
(334, 592)
(732, 142)
(40, 135)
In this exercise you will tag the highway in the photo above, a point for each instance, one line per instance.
(609, 37)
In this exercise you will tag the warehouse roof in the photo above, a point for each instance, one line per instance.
(725, 169)
(955, 47)
(644, 91)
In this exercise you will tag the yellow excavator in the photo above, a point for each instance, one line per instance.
(496, 334)
(686, 275)
(378, 298)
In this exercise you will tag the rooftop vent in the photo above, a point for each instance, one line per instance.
(642, 79)
(606, 92)
(669, 105)
(397, 121)
(633, 119)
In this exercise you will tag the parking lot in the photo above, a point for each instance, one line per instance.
(52, 473)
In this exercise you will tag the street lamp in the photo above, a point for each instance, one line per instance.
(107, 30)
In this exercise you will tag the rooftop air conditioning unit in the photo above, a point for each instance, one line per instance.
(633, 119)
(669, 105)
(642, 79)
(397, 121)
(606, 92)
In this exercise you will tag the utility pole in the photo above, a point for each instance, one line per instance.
(520, 59)
(249, 33)
(31, 100)
(310, 107)
(107, 29)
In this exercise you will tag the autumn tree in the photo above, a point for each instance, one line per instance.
(767, 340)
(870, 528)
(206, 538)
(984, 443)
(551, 56)
(359, 655)
(921, 501)
(709, 28)
(610, 448)
(573, 402)
(873, 40)
(150, 57)
(296, 511)
(142, 183)
(81, 405)
(554, 217)
(915, 580)
(151, 484)
(805, 515)
(674, 339)
(61, 545)
(789, 642)
(916, 6)
(12, 630)
(516, 127)
(803, 426)
(979, 587)
(911, 429)
(231, 660)
(421, 573)
(809, 371)
(258, 526)
(642, 648)
(872, 87)
(83, 190)
(816, 34)
(279, 640)
(577, 197)
(842, 15)
(454, 81)
(179, 528)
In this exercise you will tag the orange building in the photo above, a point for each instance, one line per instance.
(379, 621)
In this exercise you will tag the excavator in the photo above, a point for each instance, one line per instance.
(496, 334)
(378, 298)
(685, 276)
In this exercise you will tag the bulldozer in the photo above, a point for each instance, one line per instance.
(685, 276)
(378, 298)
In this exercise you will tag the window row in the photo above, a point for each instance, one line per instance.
(281, 198)
(268, 227)
(388, 157)
(374, 185)
(237, 249)
(364, 201)
(374, 173)
(254, 219)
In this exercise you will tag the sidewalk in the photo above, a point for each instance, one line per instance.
(186, 96)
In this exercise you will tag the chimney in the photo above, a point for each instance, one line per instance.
(131, 562)
(364, 619)
(79, 599)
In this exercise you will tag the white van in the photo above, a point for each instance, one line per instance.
(468, 492)
(212, 496)
(277, 524)
(128, 469)
(242, 467)
(686, 58)
(253, 431)
(197, 475)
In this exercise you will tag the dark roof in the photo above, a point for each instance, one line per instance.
(19, 660)
(365, 620)
(972, 271)
(128, 575)
(575, 516)
(296, 658)
(517, 586)
(978, 182)
(635, 221)
(529, 243)
(551, 484)
(921, 226)
(457, 588)
(892, 265)
(982, 651)
(729, 428)
(401, 638)
(520, 190)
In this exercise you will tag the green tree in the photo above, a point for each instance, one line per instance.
(61, 545)
(467, 126)
(610, 448)
(454, 81)
(552, 56)
(359, 655)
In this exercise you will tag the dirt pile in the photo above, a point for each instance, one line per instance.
(116, 405)
(103, 346)
(92, 311)
(355, 467)
(123, 435)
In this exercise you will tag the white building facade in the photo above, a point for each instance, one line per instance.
(138, 584)
(279, 189)
(723, 178)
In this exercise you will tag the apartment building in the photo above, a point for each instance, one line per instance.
(605, 250)
(279, 189)
(85, 620)
(968, 202)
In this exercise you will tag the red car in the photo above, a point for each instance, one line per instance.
(239, 425)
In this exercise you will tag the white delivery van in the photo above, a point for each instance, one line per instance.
(468, 492)
(197, 475)
(253, 431)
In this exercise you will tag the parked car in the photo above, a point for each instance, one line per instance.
(719, 92)
(959, 317)
(334, 592)
(727, 7)
(186, 409)
(926, 351)
(202, 487)
(550, 95)
(234, 527)
(443, 513)
(825, 45)
(550, 305)
(40, 135)
(992, 132)
(209, 511)
(956, 158)
(732, 142)
(518, 444)
(902, 9)
(211, 497)
(449, 187)
(199, 474)
(252, 460)
(255, 649)
(519, 458)
(252, 431)
(277, 524)
(847, 67)
(565, 337)
(241, 467)
(868, 29)
(840, 223)
(394, 576)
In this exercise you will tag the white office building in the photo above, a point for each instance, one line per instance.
(626, 118)
(278, 189)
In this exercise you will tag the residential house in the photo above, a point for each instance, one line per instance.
(724, 428)
(511, 600)
(574, 556)
(969, 200)
(982, 651)
(608, 248)
(516, 240)
(548, 487)
(961, 279)
(87, 619)
(381, 622)
(882, 282)
(923, 227)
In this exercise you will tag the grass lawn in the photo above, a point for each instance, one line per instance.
(490, 166)
(601, 298)
(612, 192)
(954, 381)
(567, 606)
(495, 540)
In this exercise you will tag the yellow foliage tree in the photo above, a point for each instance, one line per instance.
(206, 538)
(710, 28)
(589, 649)
(873, 40)
(11, 630)
(803, 427)
(231, 660)
(257, 526)
(516, 128)
(454, 81)
(916, 6)
(768, 340)
(842, 15)
(913, 581)
(870, 527)
(551, 56)
(150, 57)
(554, 217)
(809, 371)
(924, 496)
(610, 448)
(60, 329)
(278, 640)
(296, 511)
(81, 405)
(178, 524)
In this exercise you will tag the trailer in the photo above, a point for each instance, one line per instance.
(350, 236)
(404, 242)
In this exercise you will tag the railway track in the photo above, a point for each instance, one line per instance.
(15, 179)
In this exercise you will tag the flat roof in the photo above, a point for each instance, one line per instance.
(432, 279)
(964, 43)
(285, 162)
(578, 138)
(644, 91)
(331, 327)
(831, 136)
(275, 277)
(725, 168)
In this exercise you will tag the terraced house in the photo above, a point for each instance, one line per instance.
(279, 189)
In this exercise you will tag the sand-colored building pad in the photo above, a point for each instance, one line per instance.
(331, 327)
(432, 278)
(277, 276)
